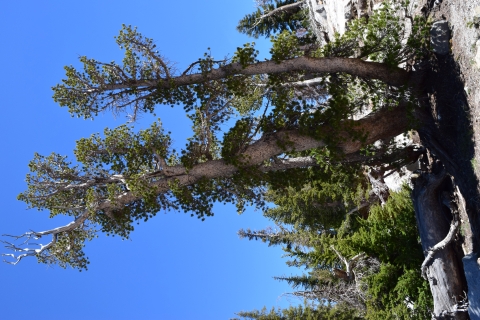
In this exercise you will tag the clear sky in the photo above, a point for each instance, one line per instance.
(174, 266)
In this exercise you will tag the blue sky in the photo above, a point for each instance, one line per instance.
(174, 266)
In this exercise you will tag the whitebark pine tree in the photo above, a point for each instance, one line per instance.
(291, 108)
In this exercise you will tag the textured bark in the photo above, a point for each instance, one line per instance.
(445, 270)
(446, 131)
(356, 67)
(382, 125)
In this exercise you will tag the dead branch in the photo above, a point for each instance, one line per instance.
(439, 246)
(286, 8)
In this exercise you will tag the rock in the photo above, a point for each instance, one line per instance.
(477, 56)
(472, 273)
(476, 15)
(320, 10)
(348, 11)
(440, 37)
(331, 16)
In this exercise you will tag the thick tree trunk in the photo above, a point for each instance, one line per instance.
(444, 271)
(446, 131)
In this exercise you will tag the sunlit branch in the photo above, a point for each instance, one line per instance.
(261, 154)
(26, 252)
(439, 246)
(279, 10)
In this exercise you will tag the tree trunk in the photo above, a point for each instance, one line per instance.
(446, 131)
(445, 273)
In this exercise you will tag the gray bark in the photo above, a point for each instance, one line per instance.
(444, 270)
(356, 67)
(472, 270)
(383, 124)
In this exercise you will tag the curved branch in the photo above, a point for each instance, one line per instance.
(383, 124)
(439, 246)
(29, 252)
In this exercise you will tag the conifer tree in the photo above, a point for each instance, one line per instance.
(297, 115)
(288, 129)
(370, 263)
(308, 312)
(273, 16)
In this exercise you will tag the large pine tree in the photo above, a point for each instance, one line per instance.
(297, 115)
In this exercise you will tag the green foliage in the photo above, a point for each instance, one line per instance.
(248, 95)
(122, 177)
(320, 204)
(246, 55)
(307, 312)
(236, 140)
(141, 61)
(390, 233)
(379, 38)
(253, 26)
(124, 151)
(68, 249)
(285, 46)
(398, 294)
(387, 235)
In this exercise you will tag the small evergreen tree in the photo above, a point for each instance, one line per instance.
(307, 312)
(381, 279)
(272, 17)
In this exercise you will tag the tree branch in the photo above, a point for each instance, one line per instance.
(439, 246)
(278, 10)
(348, 263)
(28, 252)
(383, 124)
(371, 70)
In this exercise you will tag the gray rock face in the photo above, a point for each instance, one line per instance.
(330, 16)
(477, 56)
(440, 37)
(476, 15)
(472, 270)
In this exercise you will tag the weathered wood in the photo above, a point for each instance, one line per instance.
(445, 271)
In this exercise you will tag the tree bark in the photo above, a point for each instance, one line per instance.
(384, 124)
(445, 270)
(393, 76)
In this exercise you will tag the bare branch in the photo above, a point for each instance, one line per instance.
(348, 263)
(439, 246)
(28, 252)
(279, 10)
